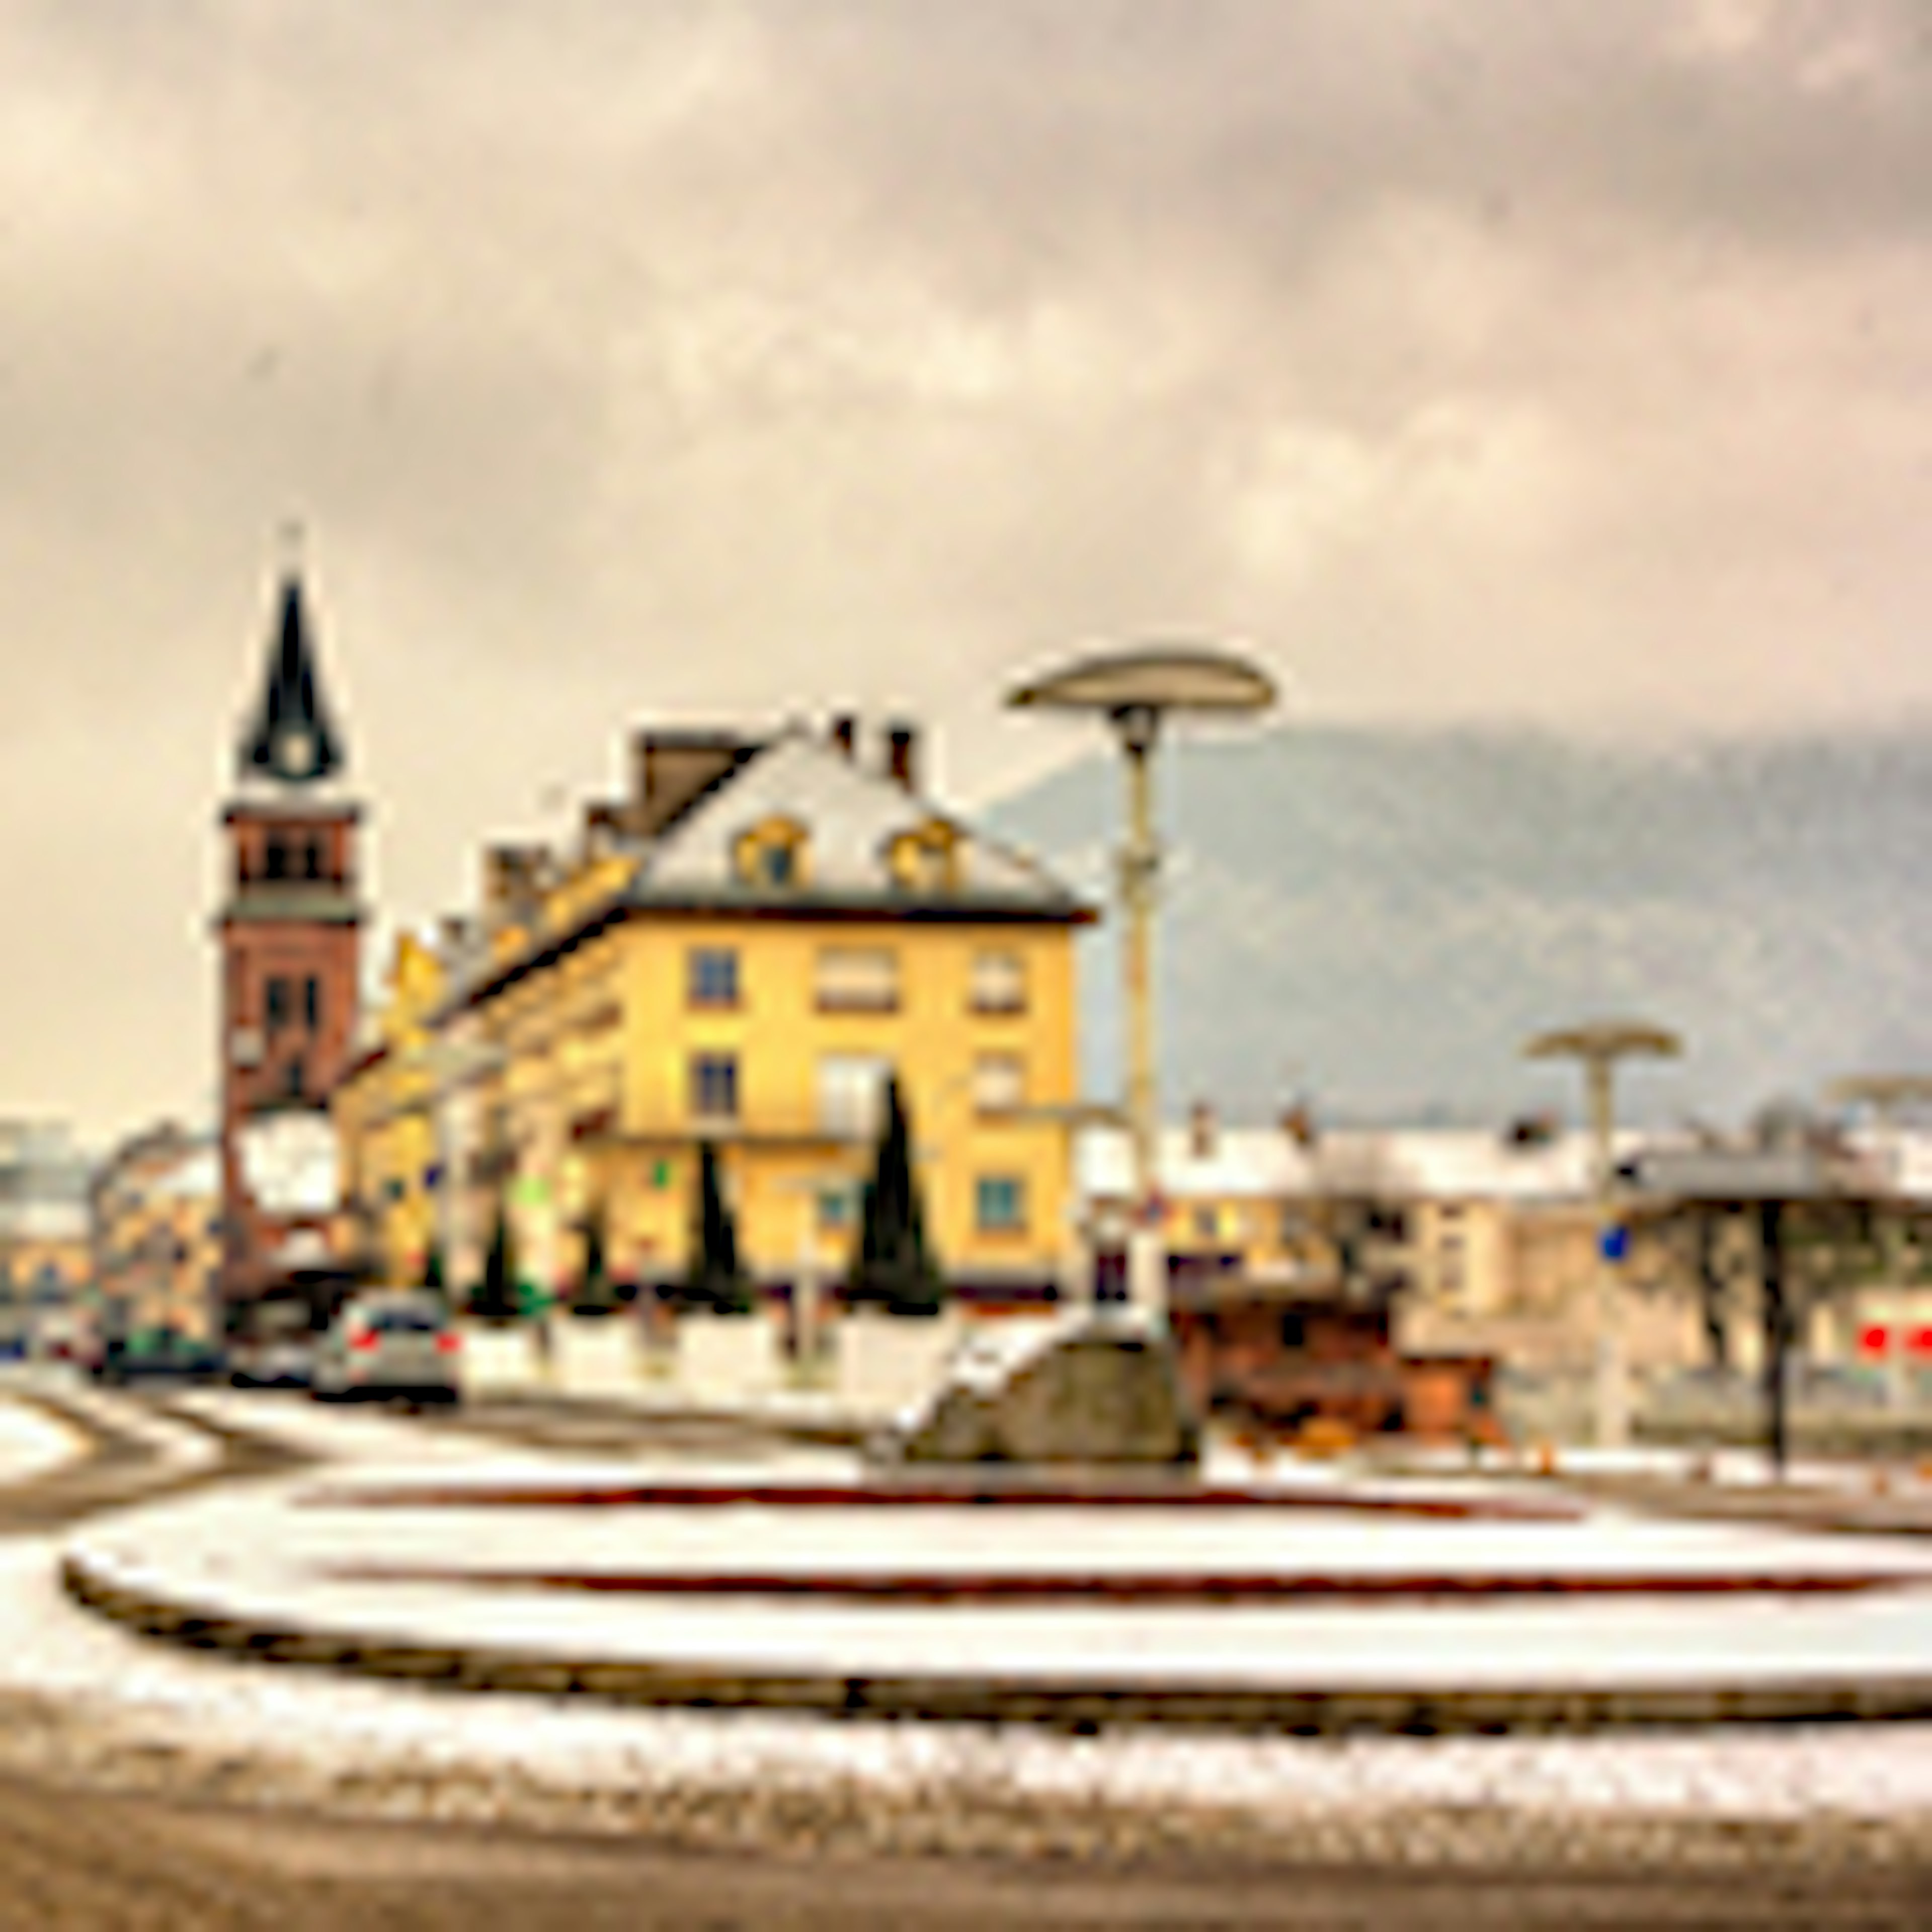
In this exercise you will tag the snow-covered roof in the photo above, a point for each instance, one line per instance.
(1447, 1164)
(851, 817)
(196, 1176)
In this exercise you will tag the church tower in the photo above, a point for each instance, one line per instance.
(288, 930)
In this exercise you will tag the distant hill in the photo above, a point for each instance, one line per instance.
(1378, 919)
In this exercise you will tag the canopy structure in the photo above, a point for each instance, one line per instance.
(1175, 677)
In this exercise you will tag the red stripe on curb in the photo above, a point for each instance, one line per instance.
(971, 1587)
(660, 1495)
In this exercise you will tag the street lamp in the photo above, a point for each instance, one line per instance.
(1599, 1044)
(1134, 690)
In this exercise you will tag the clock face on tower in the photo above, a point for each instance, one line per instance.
(295, 753)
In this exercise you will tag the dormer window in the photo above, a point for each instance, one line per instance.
(927, 858)
(771, 857)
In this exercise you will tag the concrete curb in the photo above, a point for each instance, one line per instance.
(1076, 1706)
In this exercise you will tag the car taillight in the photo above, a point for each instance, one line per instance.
(363, 1338)
(447, 1340)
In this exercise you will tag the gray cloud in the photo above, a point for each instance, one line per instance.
(1553, 360)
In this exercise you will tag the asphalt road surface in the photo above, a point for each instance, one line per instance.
(137, 1865)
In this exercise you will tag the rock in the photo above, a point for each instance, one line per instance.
(1102, 1390)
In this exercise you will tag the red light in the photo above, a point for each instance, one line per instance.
(447, 1341)
(1920, 1341)
(1875, 1339)
(363, 1339)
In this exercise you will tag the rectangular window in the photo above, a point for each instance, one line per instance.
(278, 1003)
(851, 1094)
(999, 1083)
(835, 1210)
(1207, 1224)
(858, 979)
(999, 983)
(999, 1204)
(714, 1087)
(312, 1002)
(712, 975)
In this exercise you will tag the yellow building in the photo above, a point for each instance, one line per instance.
(740, 951)
(387, 1120)
(157, 1234)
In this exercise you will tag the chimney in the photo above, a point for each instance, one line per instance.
(902, 756)
(672, 770)
(844, 732)
(514, 876)
(1298, 1124)
(1202, 1131)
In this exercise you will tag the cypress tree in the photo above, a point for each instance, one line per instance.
(895, 1266)
(595, 1293)
(714, 1280)
(496, 1296)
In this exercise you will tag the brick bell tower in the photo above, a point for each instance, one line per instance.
(290, 931)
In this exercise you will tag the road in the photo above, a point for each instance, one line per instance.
(83, 1857)
(141, 1865)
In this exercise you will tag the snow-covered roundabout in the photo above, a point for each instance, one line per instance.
(92, 1700)
(1310, 1605)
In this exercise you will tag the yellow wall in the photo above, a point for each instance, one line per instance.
(601, 1039)
(778, 1035)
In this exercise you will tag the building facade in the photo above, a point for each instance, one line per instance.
(741, 951)
(288, 933)
(156, 1212)
(46, 1258)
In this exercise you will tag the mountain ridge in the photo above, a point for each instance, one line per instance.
(1375, 919)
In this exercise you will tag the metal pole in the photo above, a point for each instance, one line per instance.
(1612, 1394)
(1776, 1327)
(1138, 726)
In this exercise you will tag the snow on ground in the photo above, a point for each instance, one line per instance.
(32, 1443)
(375, 1447)
(263, 1551)
(148, 1695)
(178, 1448)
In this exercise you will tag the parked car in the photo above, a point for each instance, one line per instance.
(391, 1343)
(159, 1354)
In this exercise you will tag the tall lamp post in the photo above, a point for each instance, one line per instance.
(1599, 1044)
(1135, 691)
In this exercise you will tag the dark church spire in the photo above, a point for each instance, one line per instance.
(292, 737)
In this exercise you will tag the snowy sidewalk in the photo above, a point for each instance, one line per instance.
(33, 1443)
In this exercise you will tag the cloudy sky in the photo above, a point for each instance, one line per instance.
(1535, 359)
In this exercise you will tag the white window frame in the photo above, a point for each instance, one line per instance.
(999, 1083)
(998, 983)
(857, 979)
(851, 1094)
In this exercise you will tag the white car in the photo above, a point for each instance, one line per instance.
(393, 1343)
